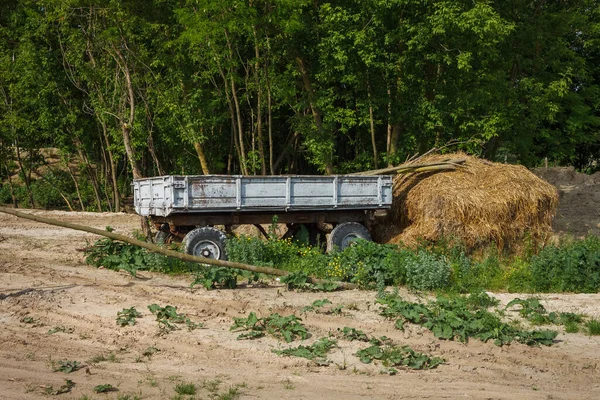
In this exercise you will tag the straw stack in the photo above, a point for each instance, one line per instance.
(480, 204)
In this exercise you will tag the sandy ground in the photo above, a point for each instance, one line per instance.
(43, 276)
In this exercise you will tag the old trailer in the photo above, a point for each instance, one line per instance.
(188, 208)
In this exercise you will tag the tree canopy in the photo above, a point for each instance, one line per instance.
(131, 88)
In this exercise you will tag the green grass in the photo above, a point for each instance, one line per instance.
(185, 388)
(105, 388)
(593, 327)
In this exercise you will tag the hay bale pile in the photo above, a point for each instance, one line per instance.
(479, 204)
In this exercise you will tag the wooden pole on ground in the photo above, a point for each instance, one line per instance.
(160, 250)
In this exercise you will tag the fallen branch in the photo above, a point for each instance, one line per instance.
(411, 167)
(160, 250)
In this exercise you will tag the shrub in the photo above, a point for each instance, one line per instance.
(123, 256)
(427, 271)
(572, 267)
(246, 249)
(5, 196)
(470, 274)
(367, 264)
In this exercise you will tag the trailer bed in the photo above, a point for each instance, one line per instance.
(165, 196)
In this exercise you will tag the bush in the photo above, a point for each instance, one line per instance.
(248, 250)
(427, 271)
(367, 264)
(5, 197)
(46, 195)
(469, 274)
(572, 267)
(123, 256)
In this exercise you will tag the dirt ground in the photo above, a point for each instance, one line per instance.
(45, 286)
(579, 200)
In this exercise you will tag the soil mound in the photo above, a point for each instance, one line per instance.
(478, 204)
(579, 200)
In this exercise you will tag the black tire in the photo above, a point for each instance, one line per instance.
(344, 234)
(161, 237)
(206, 242)
(164, 236)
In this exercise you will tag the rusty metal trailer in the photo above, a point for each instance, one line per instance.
(188, 208)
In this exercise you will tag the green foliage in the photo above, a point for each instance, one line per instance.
(317, 304)
(65, 388)
(287, 328)
(64, 329)
(370, 264)
(118, 256)
(167, 316)
(358, 67)
(67, 366)
(427, 271)
(393, 356)
(105, 388)
(300, 281)
(316, 351)
(366, 263)
(533, 310)
(458, 318)
(185, 388)
(211, 277)
(470, 274)
(572, 267)
(593, 327)
(351, 334)
(127, 316)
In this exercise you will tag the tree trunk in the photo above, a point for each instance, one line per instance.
(388, 147)
(270, 119)
(201, 157)
(269, 111)
(372, 123)
(113, 168)
(259, 131)
(395, 137)
(238, 112)
(126, 130)
(26, 176)
(81, 205)
(89, 171)
(150, 141)
(234, 131)
(152, 151)
(11, 187)
(314, 109)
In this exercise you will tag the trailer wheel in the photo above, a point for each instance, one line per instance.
(206, 242)
(344, 234)
(164, 236)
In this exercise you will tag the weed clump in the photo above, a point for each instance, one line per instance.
(593, 327)
(395, 356)
(127, 316)
(168, 316)
(458, 318)
(316, 352)
(287, 328)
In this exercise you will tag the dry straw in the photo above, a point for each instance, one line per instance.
(479, 204)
